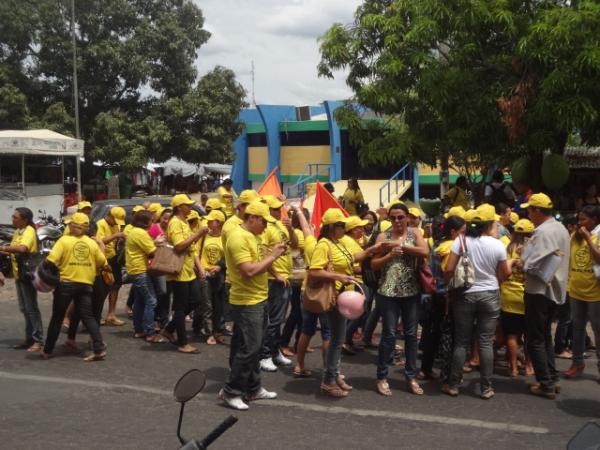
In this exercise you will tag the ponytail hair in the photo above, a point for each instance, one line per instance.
(27, 215)
(476, 229)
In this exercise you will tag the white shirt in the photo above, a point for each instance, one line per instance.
(485, 253)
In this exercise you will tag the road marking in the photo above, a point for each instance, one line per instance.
(474, 423)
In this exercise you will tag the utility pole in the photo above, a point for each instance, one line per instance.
(75, 97)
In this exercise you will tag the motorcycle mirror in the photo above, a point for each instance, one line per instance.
(189, 385)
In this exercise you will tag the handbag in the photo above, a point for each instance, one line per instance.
(320, 295)
(464, 274)
(166, 261)
(426, 278)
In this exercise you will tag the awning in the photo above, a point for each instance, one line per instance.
(176, 166)
(39, 142)
(583, 157)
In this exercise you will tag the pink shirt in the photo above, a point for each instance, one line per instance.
(155, 231)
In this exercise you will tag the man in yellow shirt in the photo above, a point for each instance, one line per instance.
(280, 290)
(109, 231)
(226, 196)
(457, 195)
(78, 259)
(248, 266)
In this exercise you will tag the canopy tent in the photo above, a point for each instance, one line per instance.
(39, 142)
(176, 166)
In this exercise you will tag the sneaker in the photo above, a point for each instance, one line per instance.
(262, 394)
(541, 392)
(575, 371)
(268, 365)
(281, 360)
(233, 402)
(487, 393)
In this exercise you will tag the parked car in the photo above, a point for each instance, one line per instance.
(101, 208)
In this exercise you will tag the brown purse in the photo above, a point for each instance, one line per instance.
(166, 261)
(320, 295)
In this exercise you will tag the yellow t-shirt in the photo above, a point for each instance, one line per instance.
(212, 252)
(179, 231)
(300, 237)
(138, 246)
(26, 237)
(105, 230)
(582, 282)
(274, 234)
(458, 197)
(243, 246)
(512, 291)
(227, 201)
(353, 247)
(341, 258)
(230, 224)
(505, 240)
(78, 259)
(127, 229)
(443, 250)
(351, 199)
(385, 225)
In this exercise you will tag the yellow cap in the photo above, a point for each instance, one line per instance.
(214, 203)
(333, 215)
(83, 205)
(138, 208)
(273, 202)
(193, 215)
(470, 215)
(415, 212)
(353, 222)
(248, 196)
(155, 208)
(539, 200)
(260, 209)
(487, 213)
(215, 215)
(392, 203)
(514, 217)
(118, 214)
(385, 225)
(524, 226)
(458, 211)
(80, 219)
(181, 199)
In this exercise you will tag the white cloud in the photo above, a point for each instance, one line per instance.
(281, 38)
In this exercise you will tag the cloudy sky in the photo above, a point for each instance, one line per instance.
(281, 37)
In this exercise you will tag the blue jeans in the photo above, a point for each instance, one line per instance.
(391, 308)
(28, 305)
(277, 304)
(581, 312)
(144, 303)
(337, 325)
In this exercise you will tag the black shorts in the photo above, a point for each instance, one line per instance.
(117, 273)
(512, 323)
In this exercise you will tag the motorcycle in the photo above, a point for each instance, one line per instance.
(49, 230)
(188, 386)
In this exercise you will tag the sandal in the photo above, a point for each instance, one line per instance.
(95, 357)
(383, 388)
(156, 339)
(211, 340)
(169, 337)
(35, 348)
(301, 373)
(287, 352)
(113, 322)
(342, 384)
(188, 350)
(414, 388)
(333, 390)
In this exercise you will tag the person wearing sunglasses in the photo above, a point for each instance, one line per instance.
(398, 294)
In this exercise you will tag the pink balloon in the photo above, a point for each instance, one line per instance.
(351, 304)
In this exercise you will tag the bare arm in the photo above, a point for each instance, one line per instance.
(14, 249)
(420, 249)
(304, 225)
(251, 269)
(593, 248)
(183, 245)
(503, 271)
(332, 276)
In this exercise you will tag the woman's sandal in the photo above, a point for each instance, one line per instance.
(211, 340)
(189, 350)
(340, 381)
(95, 357)
(156, 339)
(414, 388)
(301, 373)
(383, 388)
(333, 390)
(287, 352)
(35, 348)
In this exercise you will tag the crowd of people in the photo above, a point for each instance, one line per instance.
(473, 286)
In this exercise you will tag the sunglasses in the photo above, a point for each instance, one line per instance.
(339, 224)
(397, 218)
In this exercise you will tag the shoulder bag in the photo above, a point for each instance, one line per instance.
(320, 295)
(464, 274)
(166, 261)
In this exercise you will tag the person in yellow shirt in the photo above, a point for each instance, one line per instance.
(353, 197)
(78, 259)
(109, 231)
(584, 287)
(186, 293)
(139, 247)
(278, 232)
(208, 316)
(248, 264)
(227, 195)
(457, 195)
(512, 301)
(24, 242)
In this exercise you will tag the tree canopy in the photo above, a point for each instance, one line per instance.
(139, 92)
(479, 81)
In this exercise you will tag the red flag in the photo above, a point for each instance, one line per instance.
(271, 186)
(323, 201)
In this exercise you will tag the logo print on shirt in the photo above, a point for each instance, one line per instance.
(81, 251)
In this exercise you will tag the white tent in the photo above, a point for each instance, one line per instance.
(39, 142)
(176, 166)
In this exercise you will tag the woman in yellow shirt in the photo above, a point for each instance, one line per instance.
(584, 287)
(139, 247)
(24, 242)
(185, 289)
(512, 303)
(226, 196)
(353, 197)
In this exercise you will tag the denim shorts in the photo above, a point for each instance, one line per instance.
(309, 323)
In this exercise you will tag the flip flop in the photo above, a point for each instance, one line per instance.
(95, 357)
(195, 351)
(301, 373)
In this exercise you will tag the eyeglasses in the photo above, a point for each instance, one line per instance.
(397, 218)
(339, 224)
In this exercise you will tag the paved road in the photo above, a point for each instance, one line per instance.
(126, 402)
